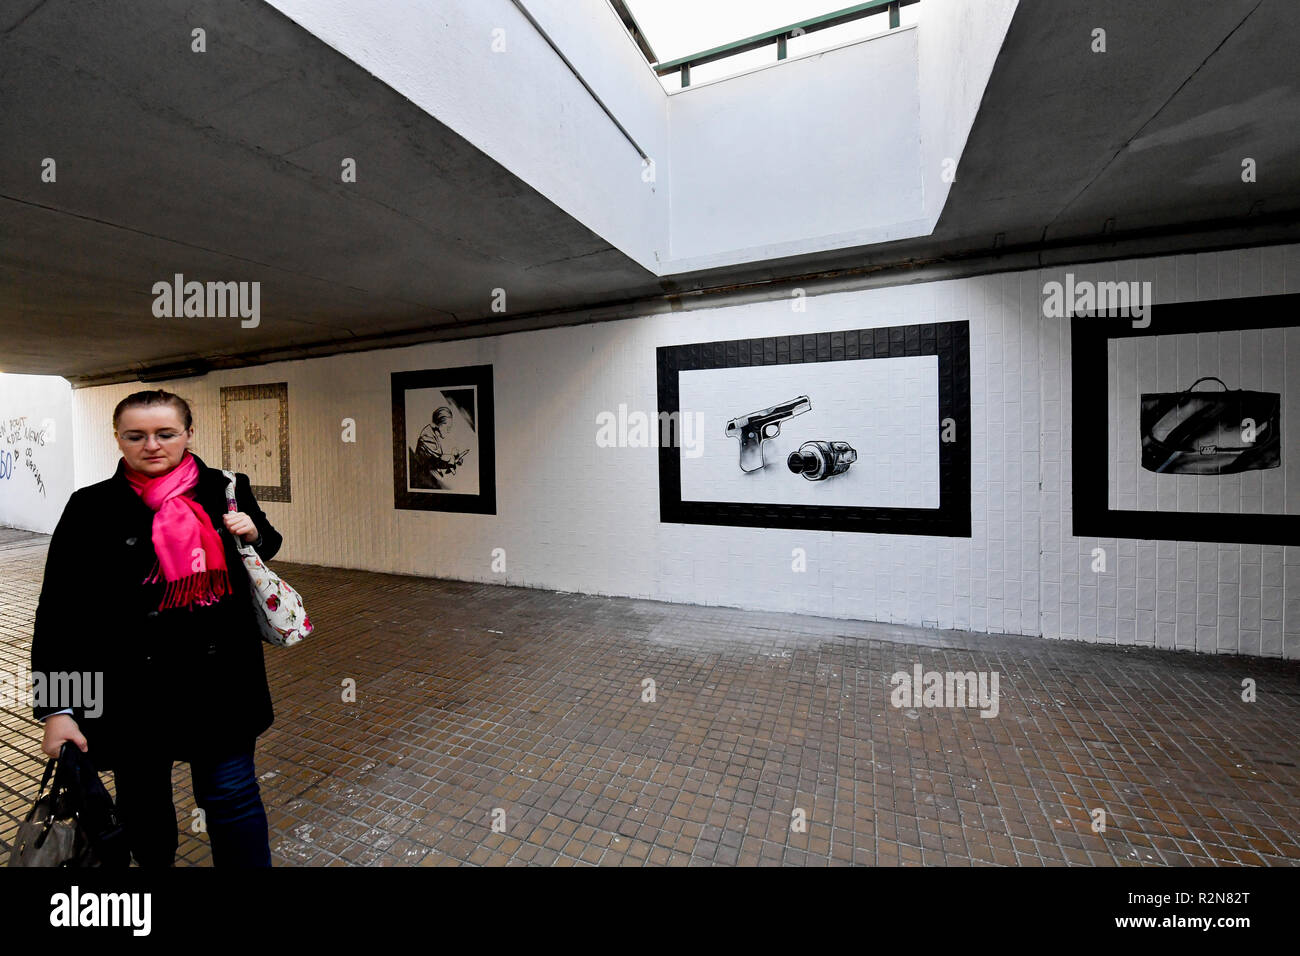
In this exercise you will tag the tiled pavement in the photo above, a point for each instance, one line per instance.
(476, 698)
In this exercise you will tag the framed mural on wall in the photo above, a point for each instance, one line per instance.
(863, 430)
(255, 437)
(444, 440)
(1188, 428)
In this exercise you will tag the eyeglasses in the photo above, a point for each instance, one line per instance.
(134, 438)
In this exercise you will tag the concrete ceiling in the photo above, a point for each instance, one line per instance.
(226, 165)
(1149, 134)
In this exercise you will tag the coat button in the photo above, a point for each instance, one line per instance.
(132, 540)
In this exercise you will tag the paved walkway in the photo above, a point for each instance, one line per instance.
(478, 703)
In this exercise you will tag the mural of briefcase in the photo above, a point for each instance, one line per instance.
(1206, 433)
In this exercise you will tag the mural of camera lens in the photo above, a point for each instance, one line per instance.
(819, 460)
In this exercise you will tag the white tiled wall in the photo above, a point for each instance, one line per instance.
(1210, 597)
(574, 516)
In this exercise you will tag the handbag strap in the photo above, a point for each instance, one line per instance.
(40, 794)
(67, 775)
(1209, 378)
(232, 504)
(62, 795)
(241, 545)
(49, 772)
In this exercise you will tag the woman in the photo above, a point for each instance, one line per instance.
(145, 593)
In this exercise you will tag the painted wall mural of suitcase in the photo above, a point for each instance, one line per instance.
(1211, 433)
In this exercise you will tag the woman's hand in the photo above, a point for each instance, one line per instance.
(59, 728)
(238, 523)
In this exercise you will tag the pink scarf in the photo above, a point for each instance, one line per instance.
(182, 535)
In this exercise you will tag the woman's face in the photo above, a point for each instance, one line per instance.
(152, 440)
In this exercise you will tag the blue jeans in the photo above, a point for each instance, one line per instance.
(225, 789)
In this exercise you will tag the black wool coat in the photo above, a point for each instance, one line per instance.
(180, 683)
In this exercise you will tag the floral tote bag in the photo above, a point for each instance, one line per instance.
(282, 617)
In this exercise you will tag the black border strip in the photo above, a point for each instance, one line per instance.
(949, 341)
(1092, 515)
(485, 502)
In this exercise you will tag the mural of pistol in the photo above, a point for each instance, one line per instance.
(757, 427)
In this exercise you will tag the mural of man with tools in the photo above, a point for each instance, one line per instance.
(432, 462)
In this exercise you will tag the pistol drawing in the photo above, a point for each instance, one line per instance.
(757, 427)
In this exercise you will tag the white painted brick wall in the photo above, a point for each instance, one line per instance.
(572, 516)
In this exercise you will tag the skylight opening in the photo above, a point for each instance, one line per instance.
(676, 29)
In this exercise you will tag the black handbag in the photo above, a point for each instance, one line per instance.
(75, 824)
(1205, 433)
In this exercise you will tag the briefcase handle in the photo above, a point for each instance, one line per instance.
(1209, 378)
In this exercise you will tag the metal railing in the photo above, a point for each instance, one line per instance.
(781, 35)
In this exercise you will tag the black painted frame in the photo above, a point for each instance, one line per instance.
(485, 502)
(949, 341)
(1093, 517)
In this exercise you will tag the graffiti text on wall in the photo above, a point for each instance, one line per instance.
(21, 438)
